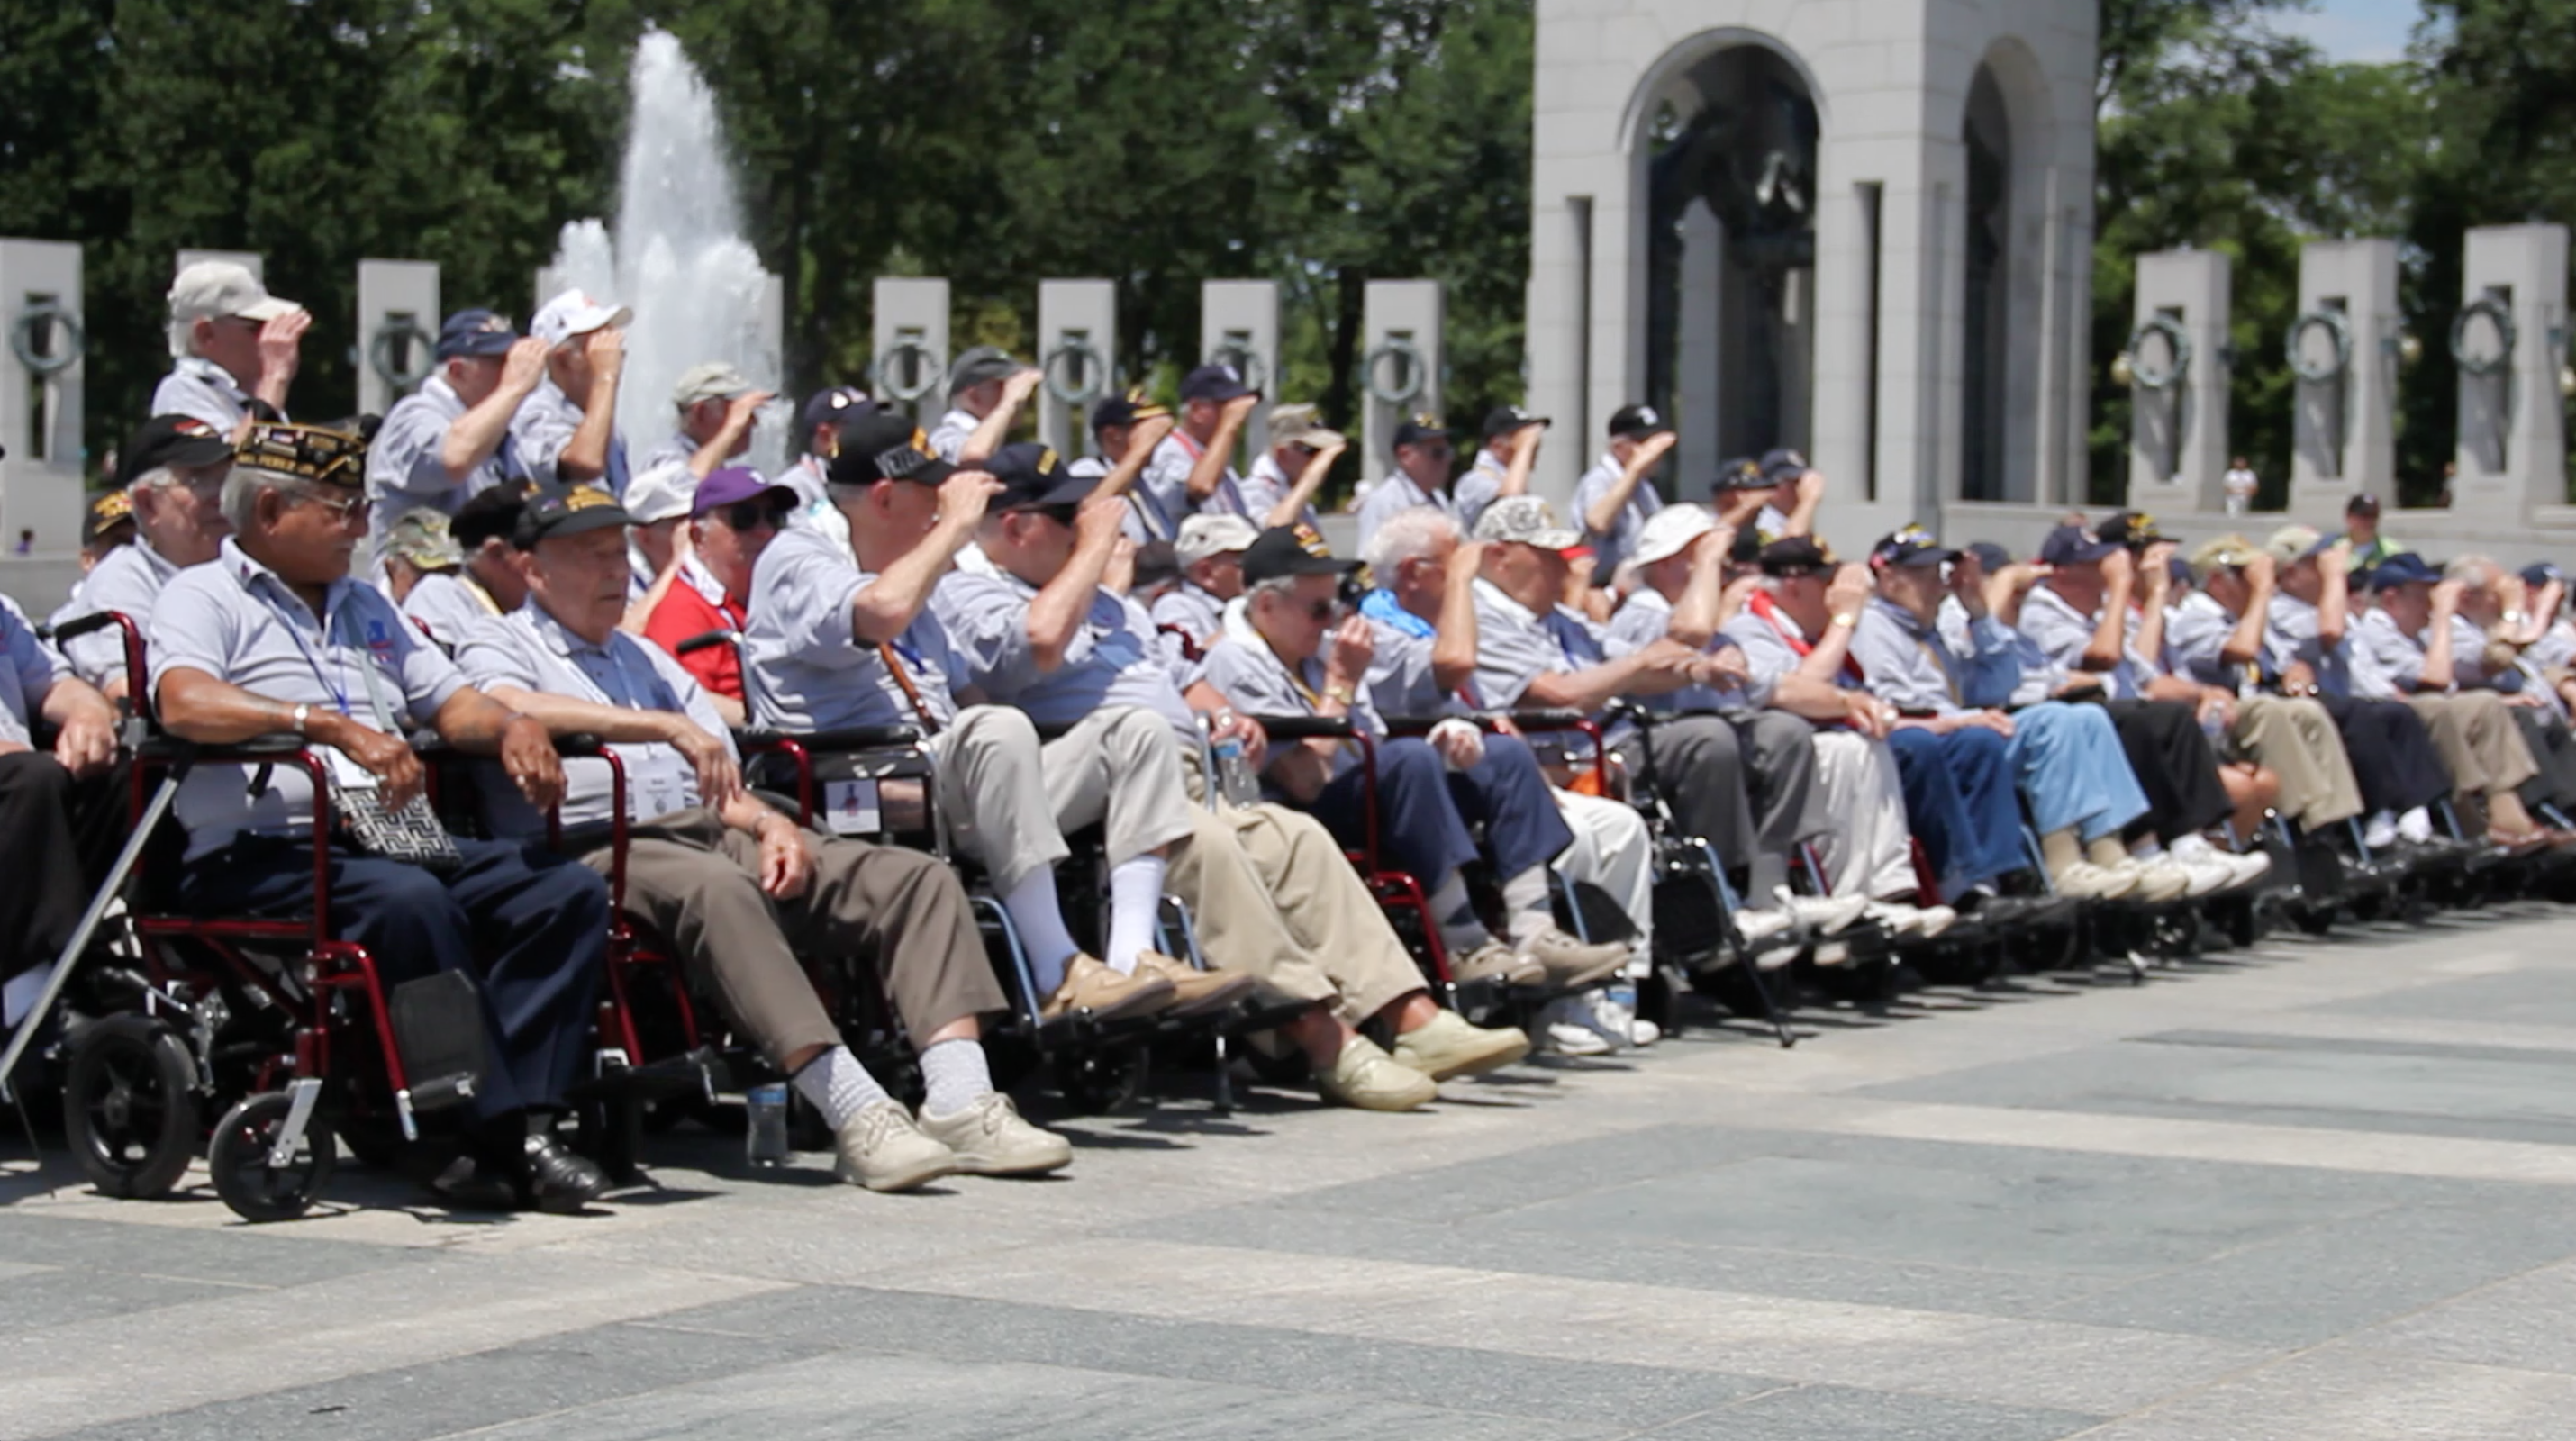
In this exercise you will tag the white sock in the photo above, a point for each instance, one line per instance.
(2380, 831)
(1039, 919)
(2416, 825)
(1455, 913)
(1135, 904)
(838, 1086)
(2194, 847)
(956, 1076)
(1525, 906)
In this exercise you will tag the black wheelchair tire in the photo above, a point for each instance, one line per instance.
(130, 1106)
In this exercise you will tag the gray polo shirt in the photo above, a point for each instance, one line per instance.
(2196, 632)
(532, 651)
(545, 424)
(1191, 609)
(1908, 664)
(199, 387)
(1254, 680)
(1481, 486)
(1645, 618)
(948, 438)
(1400, 679)
(450, 604)
(2556, 648)
(1397, 493)
(1113, 659)
(2290, 635)
(813, 672)
(1515, 646)
(1620, 541)
(1770, 645)
(29, 676)
(403, 468)
(2062, 632)
(2386, 661)
(1266, 486)
(236, 621)
(1162, 492)
(129, 581)
(2034, 677)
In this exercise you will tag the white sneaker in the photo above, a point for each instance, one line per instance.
(2207, 875)
(1574, 1026)
(2158, 880)
(1643, 1033)
(2249, 866)
(1899, 918)
(1565, 1038)
(1823, 915)
(1757, 927)
(2086, 881)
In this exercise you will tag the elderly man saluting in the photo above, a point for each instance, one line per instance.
(273, 638)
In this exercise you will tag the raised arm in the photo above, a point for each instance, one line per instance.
(740, 412)
(719, 775)
(886, 605)
(996, 427)
(1302, 493)
(2244, 645)
(1453, 649)
(2111, 627)
(1604, 512)
(1699, 611)
(2439, 668)
(473, 436)
(1056, 614)
(1516, 475)
(2334, 605)
(1212, 462)
(585, 456)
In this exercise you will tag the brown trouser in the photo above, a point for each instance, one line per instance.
(2481, 746)
(696, 884)
(2297, 741)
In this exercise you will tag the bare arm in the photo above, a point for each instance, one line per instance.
(473, 436)
(1659, 668)
(1212, 462)
(1810, 493)
(1696, 615)
(1302, 493)
(2439, 671)
(996, 427)
(1453, 649)
(2102, 652)
(1056, 614)
(2244, 645)
(1604, 513)
(1524, 456)
(892, 601)
(2333, 604)
(585, 456)
(719, 777)
(739, 414)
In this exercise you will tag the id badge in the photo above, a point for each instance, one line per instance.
(851, 807)
(659, 793)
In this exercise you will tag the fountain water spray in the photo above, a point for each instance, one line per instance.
(677, 256)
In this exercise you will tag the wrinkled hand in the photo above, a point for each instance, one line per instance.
(1722, 669)
(529, 756)
(2512, 594)
(964, 496)
(1850, 589)
(281, 344)
(1809, 486)
(2261, 570)
(86, 744)
(1525, 440)
(1022, 384)
(1240, 408)
(1256, 741)
(392, 762)
(743, 410)
(2446, 597)
(1653, 449)
(1145, 434)
(1993, 720)
(2156, 567)
(1099, 521)
(1333, 452)
(2119, 568)
(2335, 561)
(1868, 714)
(1354, 646)
(1669, 657)
(1459, 743)
(605, 348)
(719, 774)
(523, 365)
(786, 859)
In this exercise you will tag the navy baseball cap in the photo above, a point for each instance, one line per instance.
(1741, 473)
(1214, 382)
(886, 445)
(1636, 422)
(1286, 550)
(1779, 467)
(2541, 573)
(567, 510)
(1034, 477)
(1421, 426)
(835, 405)
(2073, 545)
(1795, 555)
(475, 333)
(1910, 547)
(167, 440)
(1120, 411)
(1504, 419)
(2403, 568)
(1990, 555)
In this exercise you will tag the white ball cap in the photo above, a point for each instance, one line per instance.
(665, 491)
(221, 290)
(1670, 531)
(574, 313)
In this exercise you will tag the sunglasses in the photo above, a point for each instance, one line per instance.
(1323, 610)
(748, 515)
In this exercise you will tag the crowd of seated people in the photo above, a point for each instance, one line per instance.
(1508, 713)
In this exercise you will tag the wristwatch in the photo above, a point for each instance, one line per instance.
(296, 718)
(1846, 617)
(1341, 693)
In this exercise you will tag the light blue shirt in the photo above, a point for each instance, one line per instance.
(29, 676)
(811, 672)
(1620, 541)
(2062, 632)
(404, 471)
(1113, 659)
(129, 581)
(2290, 635)
(1908, 664)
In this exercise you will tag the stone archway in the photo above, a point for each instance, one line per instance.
(2006, 134)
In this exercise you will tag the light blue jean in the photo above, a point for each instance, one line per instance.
(2070, 763)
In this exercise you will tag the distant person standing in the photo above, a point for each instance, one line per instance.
(235, 348)
(2361, 528)
(2241, 484)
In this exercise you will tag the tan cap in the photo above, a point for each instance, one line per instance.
(421, 538)
(1302, 424)
(220, 290)
(1208, 534)
(2226, 551)
(712, 380)
(2293, 542)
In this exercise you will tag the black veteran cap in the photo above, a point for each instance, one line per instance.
(307, 452)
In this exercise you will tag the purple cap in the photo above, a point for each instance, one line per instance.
(730, 484)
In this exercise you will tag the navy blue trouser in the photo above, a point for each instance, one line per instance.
(2393, 757)
(529, 926)
(1959, 796)
(1424, 809)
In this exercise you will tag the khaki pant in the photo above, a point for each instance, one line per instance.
(696, 884)
(2296, 740)
(2481, 746)
(1274, 897)
(1010, 800)
(1865, 847)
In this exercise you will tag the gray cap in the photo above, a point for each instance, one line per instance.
(982, 366)
(1525, 520)
(220, 289)
(711, 380)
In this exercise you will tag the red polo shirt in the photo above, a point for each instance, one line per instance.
(694, 605)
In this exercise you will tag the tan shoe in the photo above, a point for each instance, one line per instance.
(1195, 992)
(1106, 995)
(991, 1138)
(1446, 1047)
(1368, 1079)
(880, 1148)
(1569, 962)
(1494, 961)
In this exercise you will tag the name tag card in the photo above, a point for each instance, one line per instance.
(851, 808)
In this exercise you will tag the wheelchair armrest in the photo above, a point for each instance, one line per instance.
(95, 621)
(580, 746)
(853, 738)
(1558, 718)
(1306, 727)
(707, 640)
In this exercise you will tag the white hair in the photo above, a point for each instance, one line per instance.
(1282, 586)
(2476, 572)
(183, 339)
(247, 483)
(159, 477)
(1410, 534)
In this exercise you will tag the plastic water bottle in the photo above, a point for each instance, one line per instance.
(764, 1140)
(1620, 1007)
(1234, 779)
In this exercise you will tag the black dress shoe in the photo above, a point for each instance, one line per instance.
(557, 1180)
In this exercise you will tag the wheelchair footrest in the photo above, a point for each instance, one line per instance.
(439, 1033)
(667, 1079)
(440, 1093)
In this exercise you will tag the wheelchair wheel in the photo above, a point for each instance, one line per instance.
(1096, 1082)
(238, 1156)
(130, 1106)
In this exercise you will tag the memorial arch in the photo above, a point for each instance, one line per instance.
(1861, 228)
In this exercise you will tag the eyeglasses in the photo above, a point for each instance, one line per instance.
(342, 510)
(1438, 452)
(748, 515)
(1322, 610)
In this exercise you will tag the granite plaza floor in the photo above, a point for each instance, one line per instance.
(2322, 1190)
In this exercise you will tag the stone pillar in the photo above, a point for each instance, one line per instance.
(2178, 446)
(1239, 326)
(398, 318)
(2346, 432)
(2512, 438)
(1401, 322)
(909, 347)
(1698, 389)
(1078, 351)
(40, 404)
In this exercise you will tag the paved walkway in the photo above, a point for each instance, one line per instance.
(2320, 1191)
